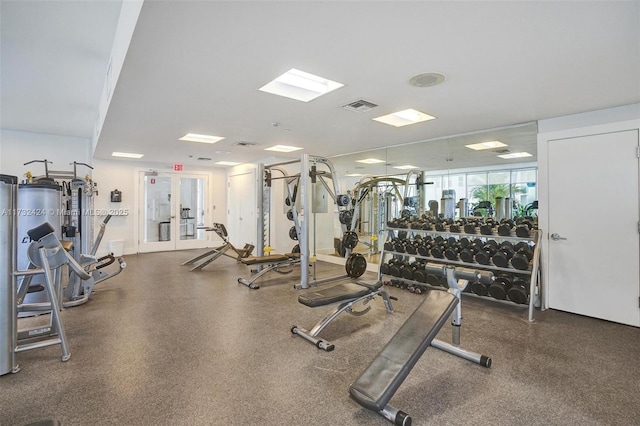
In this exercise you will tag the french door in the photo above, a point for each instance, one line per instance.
(173, 209)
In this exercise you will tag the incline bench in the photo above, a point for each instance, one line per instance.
(388, 370)
(274, 262)
(215, 253)
(345, 294)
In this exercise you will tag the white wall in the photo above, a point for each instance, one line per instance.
(594, 122)
(124, 176)
(18, 148)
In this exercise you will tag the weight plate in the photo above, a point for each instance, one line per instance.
(293, 234)
(350, 239)
(356, 265)
(290, 214)
(296, 249)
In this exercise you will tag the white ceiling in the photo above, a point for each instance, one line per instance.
(197, 66)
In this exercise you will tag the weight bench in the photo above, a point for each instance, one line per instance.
(388, 370)
(345, 295)
(215, 253)
(273, 262)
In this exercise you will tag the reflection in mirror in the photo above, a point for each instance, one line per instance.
(446, 177)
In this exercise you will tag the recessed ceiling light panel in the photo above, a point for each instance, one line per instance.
(282, 148)
(126, 155)
(486, 145)
(406, 167)
(227, 163)
(370, 161)
(404, 118)
(515, 155)
(194, 137)
(300, 85)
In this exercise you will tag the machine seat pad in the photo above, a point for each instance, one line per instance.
(273, 258)
(337, 293)
(382, 378)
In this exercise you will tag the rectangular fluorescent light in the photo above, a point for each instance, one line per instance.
(370, 161)
(486, 145)
(126, 155)
(404, 117)
(354, 175)
(193, 137)
(300, 85)
(282, 148)
(226, 163)
(407, 167)
(515, 155)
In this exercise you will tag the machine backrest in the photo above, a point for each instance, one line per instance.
(221, 230)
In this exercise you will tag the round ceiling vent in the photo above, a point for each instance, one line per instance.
(427, 79)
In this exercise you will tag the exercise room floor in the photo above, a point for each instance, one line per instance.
(158, 345)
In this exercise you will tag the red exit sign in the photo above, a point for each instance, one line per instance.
(178, 167)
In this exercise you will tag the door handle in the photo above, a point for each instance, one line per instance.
(557, 237)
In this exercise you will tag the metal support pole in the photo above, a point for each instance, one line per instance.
(262, 214)
(303, 238)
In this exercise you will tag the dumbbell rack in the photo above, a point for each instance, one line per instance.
(533, 271)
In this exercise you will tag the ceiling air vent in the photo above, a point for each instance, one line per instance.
(245, 144)
(501, 151)
(360, 106)
(204, 159)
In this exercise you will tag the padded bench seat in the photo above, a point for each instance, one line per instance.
(273, 258)
(382, 378)
(338, 293)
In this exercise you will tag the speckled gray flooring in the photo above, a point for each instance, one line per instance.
(158, 345)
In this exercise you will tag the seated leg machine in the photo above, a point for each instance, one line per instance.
(388, 370)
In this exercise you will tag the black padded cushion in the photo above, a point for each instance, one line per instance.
(222, 229)
(337, 293)
(382, 378)
(273, 258)
(40, 231)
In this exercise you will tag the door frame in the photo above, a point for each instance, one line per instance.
(175, 243)
(544, 139)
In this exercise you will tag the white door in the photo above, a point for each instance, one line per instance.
(593, 231)
(241, 214)
(172, 211)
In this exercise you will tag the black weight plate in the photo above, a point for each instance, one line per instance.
(350, 239)
(407, 273)
(394, 270)
(451, 254)
(290, 214)
(356, 265)
(423, 250)
(420, 276)
(293, 234)
(437, 252)
(296, 249)
(433, 280)
(470, 228)
(345, 217)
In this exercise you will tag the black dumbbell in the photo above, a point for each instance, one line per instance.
(523, 228)
(499, 287)
(505, 227)
(467, 254)
(394, 267)
(484, 255)
(522, 256)
(384, 268)
(452, 251)
(388, 245)
(486, 228)
(504, 253)
(411, 247)
(399, 245)
(519, 291)
(478, 288)
(406, 270)
(437, 250)
(420, 274)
